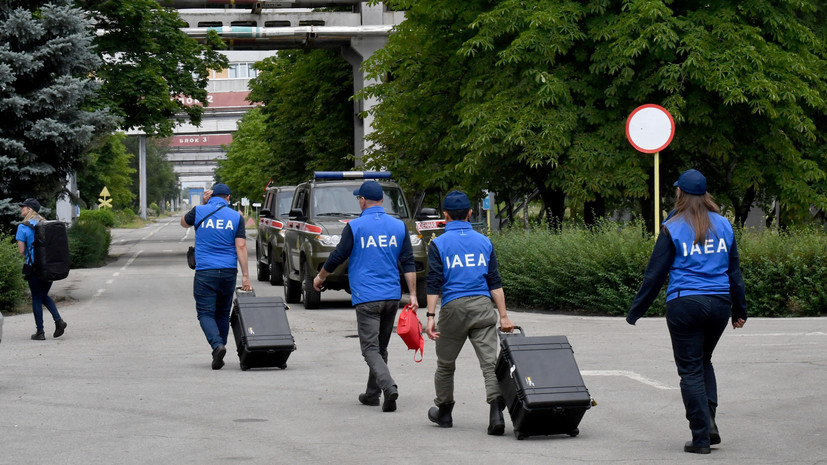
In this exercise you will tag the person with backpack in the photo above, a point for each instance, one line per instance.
(220, 242)
(29, 210)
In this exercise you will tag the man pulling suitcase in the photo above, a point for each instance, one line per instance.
(463, 268)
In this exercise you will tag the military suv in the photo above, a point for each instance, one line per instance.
(270, 237)
(321, 208)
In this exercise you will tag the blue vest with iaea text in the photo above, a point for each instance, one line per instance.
(373, 269)
(699, 268)
(215, 237)
(465, 255)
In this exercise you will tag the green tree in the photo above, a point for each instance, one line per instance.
(107, 166)
(150, 66)
(307, 114)
(46, 123)
(542, 89)
(248, 168)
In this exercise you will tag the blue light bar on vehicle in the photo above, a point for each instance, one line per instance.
(352, 174)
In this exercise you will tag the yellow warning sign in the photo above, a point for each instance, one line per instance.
(104, 201)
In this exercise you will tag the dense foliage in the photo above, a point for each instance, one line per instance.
(305, 120)
(107, 166)
(150, 66)
(12, 284)
(599, 270)
(47, 63)
(89, 240)
(517, 96)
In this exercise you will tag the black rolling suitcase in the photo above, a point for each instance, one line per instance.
(262, 333)
(541, 384)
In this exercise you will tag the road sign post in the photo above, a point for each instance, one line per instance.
(650, 129)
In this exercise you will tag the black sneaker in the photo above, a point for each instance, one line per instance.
(218, 357)
(39, 336)
(60, 327)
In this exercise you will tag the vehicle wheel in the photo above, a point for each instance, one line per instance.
(276, 272)
(262, 270)
(422, 292)
(312, 297)
(292, 289)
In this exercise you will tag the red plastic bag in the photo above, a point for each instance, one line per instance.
(410, 330)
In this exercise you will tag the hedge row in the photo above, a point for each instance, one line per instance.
(599, 270)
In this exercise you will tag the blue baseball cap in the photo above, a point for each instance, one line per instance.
(692, 182)
(370, 190)
(456, 200)
(220, 190)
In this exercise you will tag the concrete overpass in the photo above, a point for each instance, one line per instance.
(278, 25)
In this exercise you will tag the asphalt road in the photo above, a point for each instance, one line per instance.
(130, 383)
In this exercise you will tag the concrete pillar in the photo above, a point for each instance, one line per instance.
(142, 173)
(361, 48)
(65, 209)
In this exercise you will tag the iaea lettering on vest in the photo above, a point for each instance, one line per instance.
(219, 224)
(457, 261)
(378, 241)
(709, 245)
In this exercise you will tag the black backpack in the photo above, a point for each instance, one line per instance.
(51, 250)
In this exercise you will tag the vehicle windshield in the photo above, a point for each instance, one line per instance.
(339, 201)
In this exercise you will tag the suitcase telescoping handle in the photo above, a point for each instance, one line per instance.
(239, 290)
(512, 333)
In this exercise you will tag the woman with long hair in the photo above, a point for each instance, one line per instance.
(696, 249)
(29, 210)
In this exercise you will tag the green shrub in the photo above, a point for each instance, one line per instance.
(12, 284)
(89, 241)
(104, 215)
(124, 218)
(599, 270)
(785, 274)
(595, 270)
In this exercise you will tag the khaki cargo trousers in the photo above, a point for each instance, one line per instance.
(473, 318)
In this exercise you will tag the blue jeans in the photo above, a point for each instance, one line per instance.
(213, 291)
(695, 324)
(374, 323)
(40, 297)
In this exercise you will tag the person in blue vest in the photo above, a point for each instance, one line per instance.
(377, 244)
(220, 242)
(696, 248)
(462, 266)
(29, 210)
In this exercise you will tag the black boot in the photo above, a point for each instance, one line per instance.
(442, 415)
(496, 422)
(714, 435)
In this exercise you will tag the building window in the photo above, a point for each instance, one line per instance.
(241, 71)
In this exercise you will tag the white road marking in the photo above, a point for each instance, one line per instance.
(110, 281)
(631, 375)
(100, 291)
(814, 333)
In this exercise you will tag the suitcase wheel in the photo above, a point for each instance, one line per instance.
(244, 367)
(574, 432)
(520, 436)
(282, 366)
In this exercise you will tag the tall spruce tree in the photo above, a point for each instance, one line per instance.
(46, 80)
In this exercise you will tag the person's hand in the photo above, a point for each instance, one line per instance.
(245, 284)
(506, 325)
(739, 323)
(206, 196)
(413, 303)
(317, 283)
(429, 329)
